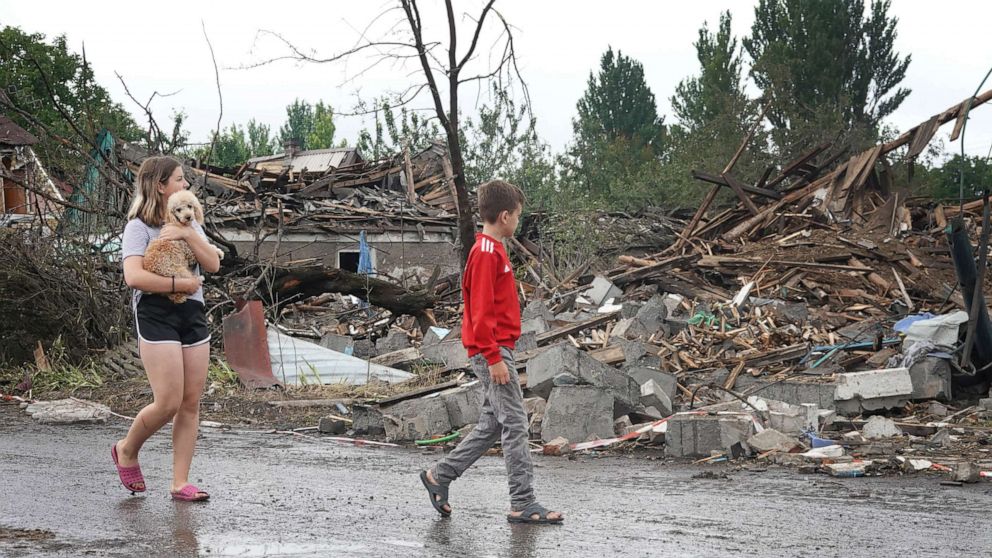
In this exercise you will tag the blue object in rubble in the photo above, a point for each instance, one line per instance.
(364, 256)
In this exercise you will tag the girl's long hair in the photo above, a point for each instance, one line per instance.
(147, 202)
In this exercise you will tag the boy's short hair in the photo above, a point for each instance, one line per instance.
(497, 196)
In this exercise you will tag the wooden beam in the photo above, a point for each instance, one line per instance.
(738, 189)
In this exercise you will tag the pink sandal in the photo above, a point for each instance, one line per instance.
(130, 476)
(190, 493)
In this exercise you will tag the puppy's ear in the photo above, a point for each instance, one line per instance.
(198, 211)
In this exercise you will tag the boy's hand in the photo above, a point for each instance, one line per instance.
(499, 373)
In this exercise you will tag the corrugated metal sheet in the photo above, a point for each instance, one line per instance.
(317, 160)
(295, 361)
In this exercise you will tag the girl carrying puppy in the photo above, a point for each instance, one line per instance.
(173, 339)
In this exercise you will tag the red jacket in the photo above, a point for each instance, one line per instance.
(492, 309)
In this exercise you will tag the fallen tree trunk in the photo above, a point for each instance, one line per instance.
(292, 285)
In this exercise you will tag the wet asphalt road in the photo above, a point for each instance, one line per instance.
(278, 495)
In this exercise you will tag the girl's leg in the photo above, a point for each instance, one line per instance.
(187, 422)
(163, 363)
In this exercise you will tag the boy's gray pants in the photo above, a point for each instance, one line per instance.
(503, 419)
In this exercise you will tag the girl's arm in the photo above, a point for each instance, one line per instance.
(137, 277)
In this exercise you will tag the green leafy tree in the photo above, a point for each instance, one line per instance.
(57, 87)
(393, 131)
(830, 71)
(321, 136)
(945, 181)
(259, 139)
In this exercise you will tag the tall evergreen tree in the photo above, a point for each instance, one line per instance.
(826, 67)
(619, 137)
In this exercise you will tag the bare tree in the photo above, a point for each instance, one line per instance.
(439, 75)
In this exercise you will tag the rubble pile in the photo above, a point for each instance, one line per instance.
(825, 329)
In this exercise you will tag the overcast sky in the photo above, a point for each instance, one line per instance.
(161, 47)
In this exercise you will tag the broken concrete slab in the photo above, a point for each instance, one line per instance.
(542, 369)
(653, 395)
(668, 382)
(621, 425)
(537, 309)
(367, 421)
(450, 354)
(880, 427)
(435, 335)
(872, 390)
(332, 425)
(778, 415)
(416, 419)
(395, 340)
(966, 471)
(691, 435)
(770, 439)
(578, 413)
(602, 290)
(526, 342)
(630, 328)
(639, 354)
(931, 378)
(556, 447)
(464, 403)
(534, 325)
(68, 411)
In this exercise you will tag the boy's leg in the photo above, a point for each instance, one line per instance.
(483, 437)
(508, 405)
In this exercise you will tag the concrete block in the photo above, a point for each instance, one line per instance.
(526, 342)
(985, 403)
(966, 471)
(630, 328)
(880, 427)
(542, 369)
(556, 447)
(602, 290)
(787, 419)
(537, 309)
(771, 439)
(792, 392)
(638, 354)
(451, 354)
(331, 425)
(872, 390)
(653, 313)
(578, 413)
(621, 425)
(464, 403)
(629, 309)
(534, 325)
(416, 419)
(435, 335)
(699, 435)
(653, 395)
(673, 304)
(367, 421)
(340, 343)
(395, 340)
(931, 378)
(363, 348)
(668, 382)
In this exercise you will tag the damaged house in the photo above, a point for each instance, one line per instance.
(22, 177)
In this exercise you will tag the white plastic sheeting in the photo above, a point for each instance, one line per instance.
(295, 361)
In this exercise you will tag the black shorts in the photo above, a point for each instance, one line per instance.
(159, 320)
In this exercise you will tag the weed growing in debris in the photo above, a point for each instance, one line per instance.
(57, 372)
(221, 373)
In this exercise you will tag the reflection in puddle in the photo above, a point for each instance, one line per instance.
(270, 549)
(280, 549)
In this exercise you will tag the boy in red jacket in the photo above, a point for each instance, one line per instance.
(490, 328)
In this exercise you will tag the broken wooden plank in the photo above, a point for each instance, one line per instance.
(738, 189)
(555, 334)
